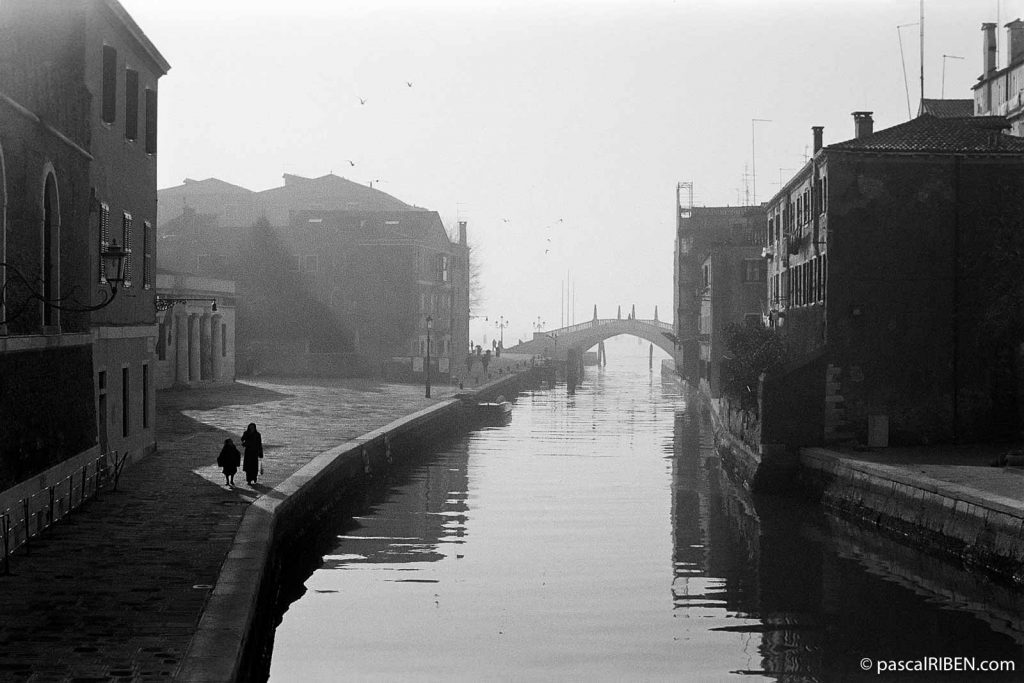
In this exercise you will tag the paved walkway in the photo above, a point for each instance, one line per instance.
(967, 467)
(114, 592)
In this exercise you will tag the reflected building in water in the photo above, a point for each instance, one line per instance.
(795, 578)
(414, 515)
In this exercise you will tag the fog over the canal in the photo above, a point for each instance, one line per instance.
(557, 129)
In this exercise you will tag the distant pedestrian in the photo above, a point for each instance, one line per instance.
(229, 460)
(252, 443)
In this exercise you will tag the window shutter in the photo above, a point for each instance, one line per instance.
(126, 219)
(147, 255)
(104, 235)
(131, 104)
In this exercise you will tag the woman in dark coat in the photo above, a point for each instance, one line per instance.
(229, 460)
(252, 443)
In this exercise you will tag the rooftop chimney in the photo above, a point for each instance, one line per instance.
(988, 48)
(462, 233)
(817, 137)
(1015, 41)
(863, 124)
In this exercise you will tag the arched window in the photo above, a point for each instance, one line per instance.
(50, 270)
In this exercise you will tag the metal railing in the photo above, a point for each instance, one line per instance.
(33, 515)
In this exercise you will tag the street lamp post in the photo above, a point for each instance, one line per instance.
(501, 324)
(430, 325)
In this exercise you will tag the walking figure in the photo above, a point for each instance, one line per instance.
(252, 443)
(229, 460)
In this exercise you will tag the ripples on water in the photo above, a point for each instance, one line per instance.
(594, 537)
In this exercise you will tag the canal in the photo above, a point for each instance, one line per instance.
(595, 537)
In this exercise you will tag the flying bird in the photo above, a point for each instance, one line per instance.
(350, 162)
(409, 83)
(362, 100)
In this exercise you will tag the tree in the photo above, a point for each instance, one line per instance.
(476, 285)
(753, 351)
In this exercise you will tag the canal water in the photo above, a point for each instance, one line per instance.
(596, 537)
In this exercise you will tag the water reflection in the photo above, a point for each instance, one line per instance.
(538, 550)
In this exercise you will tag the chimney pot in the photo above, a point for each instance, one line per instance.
(988, 56)
(1014, 41)
(863, 124)
(817, 136)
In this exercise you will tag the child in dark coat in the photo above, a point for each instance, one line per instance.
(229, 460)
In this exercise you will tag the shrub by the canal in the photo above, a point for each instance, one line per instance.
(753, 351)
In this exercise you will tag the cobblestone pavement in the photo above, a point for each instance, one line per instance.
(115, 591)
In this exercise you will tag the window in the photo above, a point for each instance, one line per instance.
(753, 270)
(104, 235)
(707, 275)
(126, 229)
(125, 412)
(150, 121)
(109, 84)
(147, 255)
(443, 274)
(161, 338)
(224, 339)
(824, 194)
(131, 104)
(824, 277)
(145, 396)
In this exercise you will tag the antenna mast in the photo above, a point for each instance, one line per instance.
(921, 22)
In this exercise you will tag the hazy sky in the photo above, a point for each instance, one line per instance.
(557, 129)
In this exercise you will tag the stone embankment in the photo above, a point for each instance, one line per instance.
(944, 500)
(114, 591)
(235, 634)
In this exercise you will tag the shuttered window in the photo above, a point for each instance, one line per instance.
(131, 104)
(104, 235)
(126, 223)
(109, 84)
(147, 255)
(150, 121)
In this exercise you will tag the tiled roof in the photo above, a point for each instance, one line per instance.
(945, 109)
(931, 134)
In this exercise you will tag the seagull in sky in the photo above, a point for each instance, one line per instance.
(362, 100)
(350, 162)
(409, 83)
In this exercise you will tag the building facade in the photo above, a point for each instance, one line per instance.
(334, 278)
(195, 341)
(122, 68)
(1000, 91)
(698, 229)
(58, 180)
(892, 282)
(732, 293)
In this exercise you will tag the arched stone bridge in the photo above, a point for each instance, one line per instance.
(555, 344)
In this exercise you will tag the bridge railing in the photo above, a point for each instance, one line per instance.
(590, 324)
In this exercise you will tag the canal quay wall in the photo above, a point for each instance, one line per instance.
(234, 637)
(970, 522)
(974, 515)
